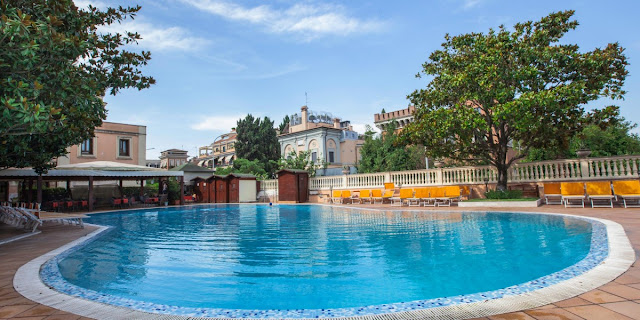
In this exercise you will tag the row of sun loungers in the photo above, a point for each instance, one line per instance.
(426, 196)
(600, 194)
(19, 218)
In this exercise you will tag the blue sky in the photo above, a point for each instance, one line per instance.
(215, 61)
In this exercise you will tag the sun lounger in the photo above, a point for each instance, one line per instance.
(419, 195)
(453, 193)
(600, 192)
(387, 195)
(552, 194)
(349, 196)
(64, 218)
(365, 195)
(405, 195)
(336, 196)
(376, 195)
(628, 191)
(572, 193)
(19, 218)
(440, 196)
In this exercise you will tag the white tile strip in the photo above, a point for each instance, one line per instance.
(621, 255)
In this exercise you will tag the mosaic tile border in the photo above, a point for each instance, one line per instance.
(597, 257)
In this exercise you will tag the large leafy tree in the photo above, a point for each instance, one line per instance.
(55, 68)
(301, 161)
(384, 153)
(522, 86)
(257, 140)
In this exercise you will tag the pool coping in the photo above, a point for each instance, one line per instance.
(620, 256)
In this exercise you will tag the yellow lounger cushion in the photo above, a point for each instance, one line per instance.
(376, 193)
(421, 193)
(389, 186)
(337, 193)
(572, 188)
(406, 193)
(602, 188)
(452, 191)
(365, 193)
(551, 188)
(388, 194)
(346, 194)
(626, 187)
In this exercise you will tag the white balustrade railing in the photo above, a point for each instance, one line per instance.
(269, 184)
(620, 167)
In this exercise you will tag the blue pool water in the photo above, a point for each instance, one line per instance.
(314, 257)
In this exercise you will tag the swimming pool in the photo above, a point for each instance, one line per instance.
(309, 260)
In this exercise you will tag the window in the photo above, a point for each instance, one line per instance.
(224, 149)
(331, 160)
(86, 148)
(124, 148)
(314, 156)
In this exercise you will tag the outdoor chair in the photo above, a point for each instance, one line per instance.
(600, 192)
(365, 195)
(628, 191)
(418, 196)
(336, 196)
(552, 194)
(376, 195)
(349, 196)
(453, 193)
(387, 195)
(405, 195)
(572, 193)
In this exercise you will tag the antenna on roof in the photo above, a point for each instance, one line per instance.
(306, 99)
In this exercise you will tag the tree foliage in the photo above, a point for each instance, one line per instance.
(254, 167)
(257, 140)
(55, 68)
(284, 123)
(385, 153)
(605, 133)
(301, 161)
(521, 86)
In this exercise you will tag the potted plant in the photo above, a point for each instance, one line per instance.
(438, 163)
(346, 170)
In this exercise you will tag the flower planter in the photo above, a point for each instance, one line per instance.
(583, 153)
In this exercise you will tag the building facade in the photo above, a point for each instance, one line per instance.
(172, 158)
(329, 140)
(220, 153)
(117, 142)
(401, 117)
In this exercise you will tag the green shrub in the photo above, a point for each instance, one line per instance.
(506, 194)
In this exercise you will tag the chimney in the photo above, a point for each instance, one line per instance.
(336, 123)
(305, 116)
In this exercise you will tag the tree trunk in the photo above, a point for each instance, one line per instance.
(502, 177)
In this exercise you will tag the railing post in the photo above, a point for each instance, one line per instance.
(439, 177)
(387, 177)
(584, 168)
(344, 181)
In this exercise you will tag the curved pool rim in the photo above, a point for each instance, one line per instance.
(610, 255)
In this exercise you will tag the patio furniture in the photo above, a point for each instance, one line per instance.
(365, 195)
(552, 193)
(405, 195)
(628, 191)
(600, 192)
(387, 195)
(419, 195)
(376, 195)
(572, 193)
(336, 196)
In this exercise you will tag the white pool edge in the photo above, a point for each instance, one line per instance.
(621, 255)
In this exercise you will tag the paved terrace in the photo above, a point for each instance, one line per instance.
(619, 299)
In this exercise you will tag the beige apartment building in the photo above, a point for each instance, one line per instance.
(329, 139)
(173, 158)
(117, 142)
(220, 153)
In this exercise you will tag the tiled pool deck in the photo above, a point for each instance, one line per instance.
(619, 299)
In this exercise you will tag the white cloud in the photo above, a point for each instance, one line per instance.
(469, 4)
(309, 21)
(217, 123)
(158, 38)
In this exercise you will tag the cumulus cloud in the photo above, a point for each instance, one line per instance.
(308, 20)
(217, 123)
(159, 38)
